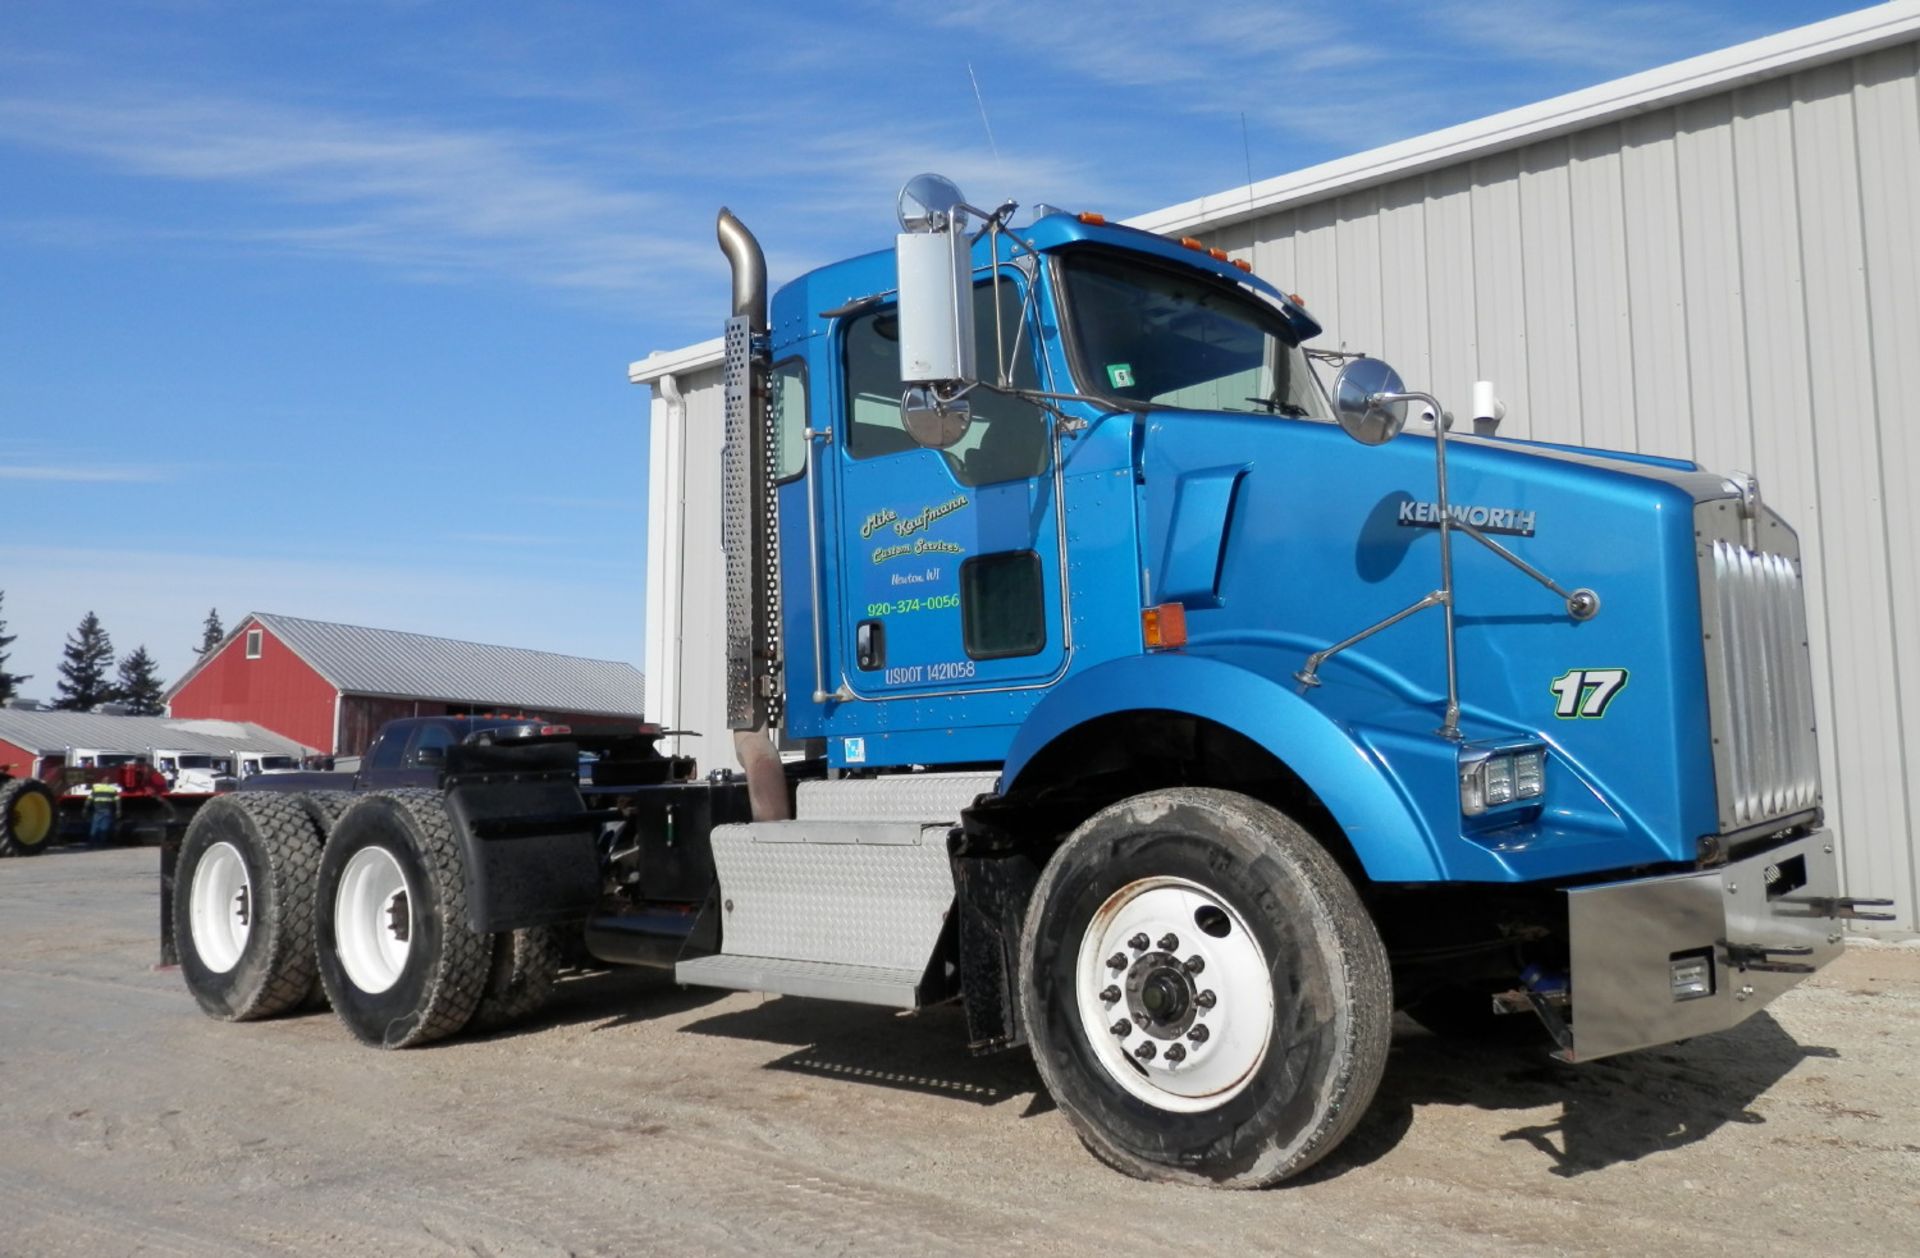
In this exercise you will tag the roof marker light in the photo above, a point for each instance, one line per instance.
(1219, 255)
(1188, 242)
(1244, 265)
(1092, 219)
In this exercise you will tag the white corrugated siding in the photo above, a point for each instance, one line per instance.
(1734, 279)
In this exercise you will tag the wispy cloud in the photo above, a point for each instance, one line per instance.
(79, 475)
(437, 199)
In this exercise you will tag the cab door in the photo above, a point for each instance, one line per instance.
(949, 560)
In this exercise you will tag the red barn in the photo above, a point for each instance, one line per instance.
(331, 686)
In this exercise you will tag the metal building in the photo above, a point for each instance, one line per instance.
(1714, 259)
(333, 686)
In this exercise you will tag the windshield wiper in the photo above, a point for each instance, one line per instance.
(1274, 406)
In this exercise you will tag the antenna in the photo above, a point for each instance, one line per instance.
(981, 101)
(1246, 147)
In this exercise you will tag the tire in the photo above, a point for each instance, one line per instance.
(398, 961)
(243, 906)
(521, 977)
(1293, 1002)
(325, 807)
(29, 817)
(1466, 1015)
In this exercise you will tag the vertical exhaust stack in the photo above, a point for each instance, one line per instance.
(747, 529)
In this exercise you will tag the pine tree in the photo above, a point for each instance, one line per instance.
(140, 686)
(212, 633)
(83, 668)
(9, 682)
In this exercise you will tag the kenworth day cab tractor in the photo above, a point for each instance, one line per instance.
(1177, 714)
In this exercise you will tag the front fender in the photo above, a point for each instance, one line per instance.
(1393, 842)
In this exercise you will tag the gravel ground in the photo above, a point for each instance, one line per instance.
(633, 1118)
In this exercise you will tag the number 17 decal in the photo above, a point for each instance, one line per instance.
(1587, 691)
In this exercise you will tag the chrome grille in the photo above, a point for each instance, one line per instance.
(1753, 615)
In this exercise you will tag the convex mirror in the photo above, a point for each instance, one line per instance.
(933, 421)
(1366, 401)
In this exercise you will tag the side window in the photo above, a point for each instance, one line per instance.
(385, 753)
(1008, 437)
(1003, 611)
(430, 743)
(789, 418)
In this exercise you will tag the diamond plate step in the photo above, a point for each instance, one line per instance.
(860, 984)
(928, 798)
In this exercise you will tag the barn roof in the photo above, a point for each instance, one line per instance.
(388, 662)
(45, 733)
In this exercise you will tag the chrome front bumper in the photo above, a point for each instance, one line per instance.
(1763, 924)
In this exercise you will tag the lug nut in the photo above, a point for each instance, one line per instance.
(1169, 942)
(1206, 999)
(1116, 962)
(1110, 995)
(1198, 1034)
(1146, 1050)
(1195, 963)
(1175, 1054)
(1138, 943)
(1122, 1028)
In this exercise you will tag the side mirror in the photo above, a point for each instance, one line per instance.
(932, 421)
(934, 259)
(1367, 401)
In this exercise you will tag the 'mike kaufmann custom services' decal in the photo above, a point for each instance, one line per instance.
(1426, 515)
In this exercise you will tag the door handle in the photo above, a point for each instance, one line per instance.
(870, 644)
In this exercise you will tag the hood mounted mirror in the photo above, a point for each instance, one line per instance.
(1369, 401)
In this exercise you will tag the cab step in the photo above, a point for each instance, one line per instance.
(823, 980)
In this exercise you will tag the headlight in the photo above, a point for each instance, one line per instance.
(1492, 775)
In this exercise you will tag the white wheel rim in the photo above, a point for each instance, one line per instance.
(373, 919)
(1209, 1026)
(220, 907)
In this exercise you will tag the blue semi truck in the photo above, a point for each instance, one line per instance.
(1164, 701)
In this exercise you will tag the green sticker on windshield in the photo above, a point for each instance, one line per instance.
(1120, 375)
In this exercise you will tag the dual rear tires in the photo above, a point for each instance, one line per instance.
(366, 896)
(1206, 997)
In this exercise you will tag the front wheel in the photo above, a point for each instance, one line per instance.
(1207, 999)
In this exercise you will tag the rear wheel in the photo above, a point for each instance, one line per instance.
(28, 815)
(520, 980)
(1206, 996)
(398, 961)
(244, 920)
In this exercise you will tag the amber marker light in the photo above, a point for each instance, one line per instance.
(1165, 626)
(1244, 265)
(1092, 219)
(1188, 242)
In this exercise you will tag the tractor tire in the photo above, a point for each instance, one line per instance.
(400, 965)
(243, 911)
(521, 978)
(1245, 1026)
(29, 817)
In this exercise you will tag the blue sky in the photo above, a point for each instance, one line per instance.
(325, 308)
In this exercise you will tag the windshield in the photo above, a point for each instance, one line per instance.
(1159, 334)
(277, 762)
(196, 762)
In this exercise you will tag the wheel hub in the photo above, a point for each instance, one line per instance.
(373, 919)
(1160, 996)
(1178, 961)
(220, 907)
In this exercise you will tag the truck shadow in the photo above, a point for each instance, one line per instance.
(1612, 1111)
(1619, 1109)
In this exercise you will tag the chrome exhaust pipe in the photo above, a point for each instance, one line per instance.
(744, 528)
